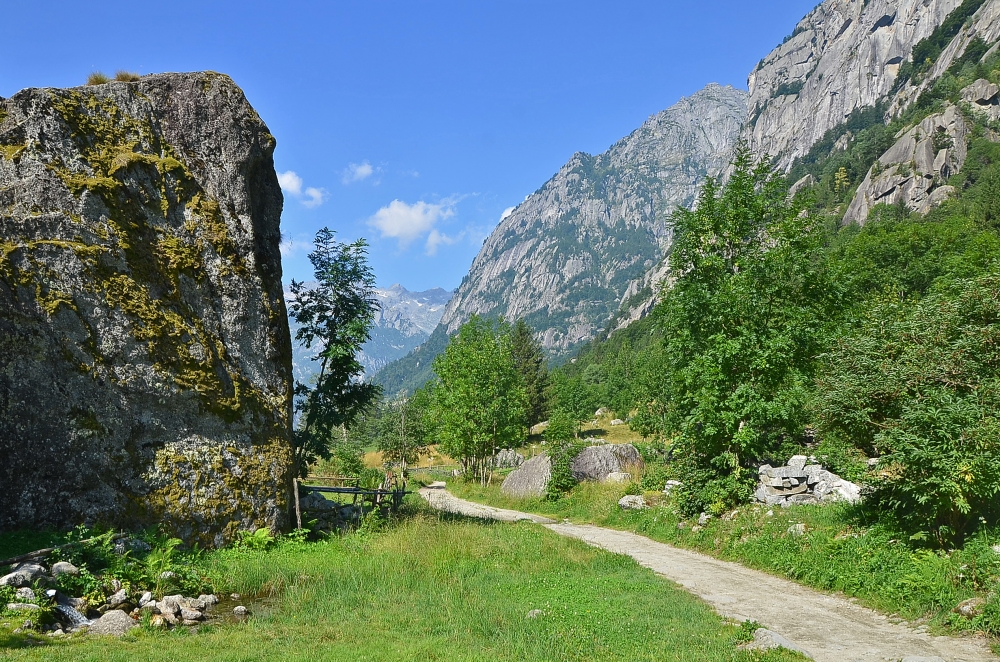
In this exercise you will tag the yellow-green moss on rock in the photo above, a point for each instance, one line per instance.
(140, 291)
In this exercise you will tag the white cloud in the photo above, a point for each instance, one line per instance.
(506, 212)
(406, 222)
(435, 239)
(291, 184)
(316, 197)
(356, 172)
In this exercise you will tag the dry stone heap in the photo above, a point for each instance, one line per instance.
(145, 357)
(799, 483)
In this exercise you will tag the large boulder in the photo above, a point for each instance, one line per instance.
(531, 479)
(145, 357)
(508, 459)
(598, 462)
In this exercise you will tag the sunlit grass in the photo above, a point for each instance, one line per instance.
(435, 589)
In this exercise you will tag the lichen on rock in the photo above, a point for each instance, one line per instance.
(145, 361)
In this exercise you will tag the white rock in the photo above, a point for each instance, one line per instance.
(535, 613)
(797, 530)
(798, 461)
(671, 485)
(25, 594)
(618, 421)
(618, 477)
(240, 610)
(764, 639)
(631, 502)
(703, 519)
(146, 598)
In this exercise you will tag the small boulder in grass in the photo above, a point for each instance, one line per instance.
(969, 608)
(632, 502)
(114, 623)
(240, 610)
(535, 613)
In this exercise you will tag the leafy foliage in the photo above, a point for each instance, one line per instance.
(530, 363)
(743, 324)
(336, 314)
(919, 386)
(480, 404)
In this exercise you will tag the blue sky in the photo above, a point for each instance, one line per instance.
(413, 124)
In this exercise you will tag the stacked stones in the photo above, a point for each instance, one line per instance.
(799, 483)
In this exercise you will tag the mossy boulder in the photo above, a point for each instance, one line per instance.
(145, 358)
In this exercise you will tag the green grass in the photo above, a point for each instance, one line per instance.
(433, 588)
(841, 550)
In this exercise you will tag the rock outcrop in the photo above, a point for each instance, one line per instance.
(914, 170)
(567, 257)
(145, 360)
(845, 55)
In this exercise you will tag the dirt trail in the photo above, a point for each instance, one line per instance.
(830, 628)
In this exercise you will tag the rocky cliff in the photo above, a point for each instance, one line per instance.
(145, 361)
(844, 55)
(572, 251)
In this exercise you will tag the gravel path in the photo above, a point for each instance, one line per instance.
(830, 628)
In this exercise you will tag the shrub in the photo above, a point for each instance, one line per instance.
(97, 78)
(126, 76)
(919, 385)
(562, 481)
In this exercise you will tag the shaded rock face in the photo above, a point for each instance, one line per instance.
(913, 170)
(598, 462)
(145, 361)
(569, 255)
(531, 479)
(845, 54)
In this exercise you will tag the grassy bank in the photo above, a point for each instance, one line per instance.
(839, 550)
(431, 589)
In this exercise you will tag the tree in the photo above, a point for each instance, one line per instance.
(530, 363)
(335, 314)
(748, 313)
(573, 396)
(480, 404)
(402, 429)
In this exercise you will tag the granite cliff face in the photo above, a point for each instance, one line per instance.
(145, 361)
(572, 251)
(844, 55)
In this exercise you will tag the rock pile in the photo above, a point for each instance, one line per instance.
(117, 615)
(799, 482)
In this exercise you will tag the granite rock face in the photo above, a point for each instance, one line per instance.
(914, 170)
(531, 479)
(568, 256)
(844, 55)
(145, 359)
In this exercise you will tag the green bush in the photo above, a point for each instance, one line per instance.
(919, 387)
(562, 481)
